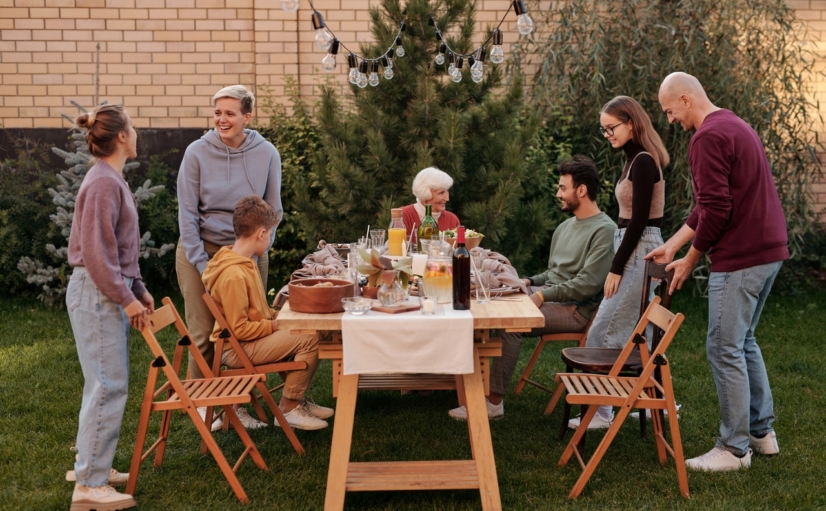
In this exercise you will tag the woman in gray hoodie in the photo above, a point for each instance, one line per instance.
(229, 162)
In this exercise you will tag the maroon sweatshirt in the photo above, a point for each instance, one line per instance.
(105, 237)
(737, 218)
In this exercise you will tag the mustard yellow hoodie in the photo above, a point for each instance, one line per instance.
(234, 282)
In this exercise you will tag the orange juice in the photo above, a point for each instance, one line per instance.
(395, 237)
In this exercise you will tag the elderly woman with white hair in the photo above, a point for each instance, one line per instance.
(431, 186)
(226, 164)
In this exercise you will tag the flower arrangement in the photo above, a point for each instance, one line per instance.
(377, 267)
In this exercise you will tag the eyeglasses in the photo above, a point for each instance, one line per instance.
(609, 130)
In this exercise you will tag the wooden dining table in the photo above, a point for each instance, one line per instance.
(477, 473)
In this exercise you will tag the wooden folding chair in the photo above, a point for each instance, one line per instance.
(187, 396)
(627, 392)
(601, 360)
(578, 337)
(247, 367)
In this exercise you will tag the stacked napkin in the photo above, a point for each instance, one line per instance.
(501, 271)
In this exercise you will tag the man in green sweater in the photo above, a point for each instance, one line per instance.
(569, 292)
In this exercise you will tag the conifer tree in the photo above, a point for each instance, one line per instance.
(374, 142)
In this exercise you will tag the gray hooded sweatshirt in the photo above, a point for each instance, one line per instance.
(213, 178)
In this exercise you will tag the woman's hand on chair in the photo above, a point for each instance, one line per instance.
(149, 302)
(137, 314)
(612, 283)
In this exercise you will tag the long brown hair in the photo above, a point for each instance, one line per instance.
(627, 109)
(101, 127)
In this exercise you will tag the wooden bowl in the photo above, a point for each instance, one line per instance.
(469, 242)
(306, 296)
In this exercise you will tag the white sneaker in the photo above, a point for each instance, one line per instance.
(322, 412)
(494, 411)
(217, 422)
(101, 498)
(596, 423)
(767, 446)
(719, 460)
(636, 415)
(115, 477)
(301, 418)
(248, 421)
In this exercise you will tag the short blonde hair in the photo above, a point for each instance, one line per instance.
(238, 92)
(429, 179)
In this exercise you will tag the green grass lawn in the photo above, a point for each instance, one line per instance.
(40, 388)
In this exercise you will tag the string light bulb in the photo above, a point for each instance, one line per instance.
(388, 67)
(328, 63)
(374, 74)
(323, 37)
(289, 5)
(440, 57)
(362, 79)
(399, 47)
(354, 70)
(477, 71)
(524, 23)
(457, 73)
(497, 54)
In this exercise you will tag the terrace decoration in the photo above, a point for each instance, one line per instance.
(364, 71)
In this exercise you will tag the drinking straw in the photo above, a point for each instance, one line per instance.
(410, 238)
(367, 236)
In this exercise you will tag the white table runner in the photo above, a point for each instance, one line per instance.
(410, 342)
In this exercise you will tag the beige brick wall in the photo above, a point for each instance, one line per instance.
(164, 59)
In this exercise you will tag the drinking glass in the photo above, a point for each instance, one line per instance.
(483, 286)
(428, 304)
(377, 237)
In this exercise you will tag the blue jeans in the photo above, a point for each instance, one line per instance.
(735, 301)
(101, 330)
(617, 316)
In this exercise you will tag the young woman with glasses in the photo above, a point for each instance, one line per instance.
(640, 192)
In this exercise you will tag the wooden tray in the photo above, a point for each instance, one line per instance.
(406, 307)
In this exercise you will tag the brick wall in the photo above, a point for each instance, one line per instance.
(164, 59)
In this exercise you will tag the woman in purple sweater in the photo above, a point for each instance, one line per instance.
(105, 295)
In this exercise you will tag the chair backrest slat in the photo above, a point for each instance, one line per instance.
(161, 318)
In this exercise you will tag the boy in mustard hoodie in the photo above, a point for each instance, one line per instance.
(234, 282)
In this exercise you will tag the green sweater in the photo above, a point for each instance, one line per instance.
(581, 255)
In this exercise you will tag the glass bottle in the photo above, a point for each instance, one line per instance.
(396, 233)
(429, 230)
(461, 272)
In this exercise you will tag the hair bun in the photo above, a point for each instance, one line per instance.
(86, 120)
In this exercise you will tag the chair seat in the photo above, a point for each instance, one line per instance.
(600, 360)
(584, 388)
(211, 392)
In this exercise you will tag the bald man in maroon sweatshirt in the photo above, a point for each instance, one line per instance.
(737, 219)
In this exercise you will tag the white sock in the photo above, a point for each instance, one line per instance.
(605, 412)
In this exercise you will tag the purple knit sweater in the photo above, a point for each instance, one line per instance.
(105, 237)
(737, 217)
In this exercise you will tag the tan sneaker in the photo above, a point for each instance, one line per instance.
(322, 412)
(301, 418)
(101, 498)
(248, 421)
(115, 477)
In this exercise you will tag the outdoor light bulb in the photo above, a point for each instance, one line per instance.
(524, 24)
(388, 67)
(323, 38)
(399, 47)
(289, 5)
(388, 73)
(457, 76)
(362, 80)
(328, 63)
(374, 74)
(451, 69)
(476, 68)
(477, 78)
(354, 75)
(440, 59)
(497, 54)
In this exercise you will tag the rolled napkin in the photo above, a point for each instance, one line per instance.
(501, 271)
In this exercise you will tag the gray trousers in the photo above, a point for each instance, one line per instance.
(559, 318)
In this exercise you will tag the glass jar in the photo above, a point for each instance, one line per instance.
(391, 293)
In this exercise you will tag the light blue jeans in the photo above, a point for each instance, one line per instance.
(617, 316)
(101, 330)
(735, 301)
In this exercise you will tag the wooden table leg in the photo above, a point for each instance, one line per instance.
(477, 416)
(342, 439)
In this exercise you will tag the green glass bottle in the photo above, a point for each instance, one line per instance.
(429, 230)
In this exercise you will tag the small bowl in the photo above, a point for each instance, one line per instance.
(356, 305)
(470, 243)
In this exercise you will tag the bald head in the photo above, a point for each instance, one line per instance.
(679, 83)
(684, 100)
